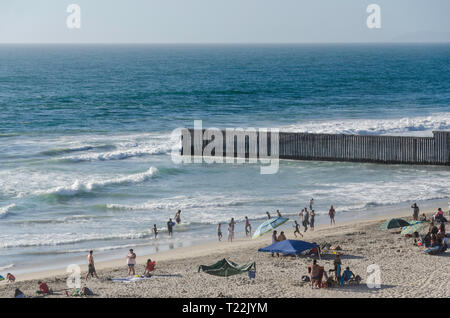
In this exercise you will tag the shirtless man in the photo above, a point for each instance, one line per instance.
(178, 217)
(91, 266)
(314, 271)
(297, 229)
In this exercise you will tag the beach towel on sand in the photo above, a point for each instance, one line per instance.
(131, 279)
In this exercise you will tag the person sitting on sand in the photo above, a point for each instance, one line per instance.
(155, 231)
(314, 271)
(131, 262)
(423, 218)
(18, 293)
(10, 278)
(43, 289)
(275, 240)
(281, 237)
(149, 267)
(433, 228)
(297, 229)
(347, 275)
(439, 216)
(91, 266)
(219, 232)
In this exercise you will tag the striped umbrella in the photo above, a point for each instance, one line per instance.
(410, 229)
(268, 226)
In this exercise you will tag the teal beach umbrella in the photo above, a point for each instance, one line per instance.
(268, 226)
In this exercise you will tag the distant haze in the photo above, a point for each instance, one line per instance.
(223, 21)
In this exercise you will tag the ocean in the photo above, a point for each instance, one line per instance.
(85, 139)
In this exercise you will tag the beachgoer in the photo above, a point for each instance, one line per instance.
(433, 229)
(346, 276)
(311, 219)
(248, 227)
(314, 271)
(332, 213)
(423, 218)
(43, 289)
(297, 229)
(274, 240)
(91, 266)
(155, 231)
(337, 267)
(281, 237)
(442, 228)
(311, 202)
(10, 278)
(149, 267)
(131, 262)
(305, 219)
(439, 216)
(18, 293)
(178, 217)
(230, 232)
(233, 223)
(278, 213)
(415, 211)
(268, 215)
(170, 225)
(219, 231)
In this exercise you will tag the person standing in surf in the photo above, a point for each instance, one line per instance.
(268, 215)
(311, 202)
(170, 225)
(155, 231)
(332, 213)
(278, 213)
(178, 217)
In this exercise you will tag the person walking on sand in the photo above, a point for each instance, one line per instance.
(170, 225)
(91, 266)
(155, 231)
(305, 219)
(268, 215)
(297, 229)
(311, 219)
(332, 213)
(415, 211)
(248, 227)
(219, 231)
(131, 262)
(178, 217)
(274, 240)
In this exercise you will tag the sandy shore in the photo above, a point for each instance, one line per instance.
(405, 270)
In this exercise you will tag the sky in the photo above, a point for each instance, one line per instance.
(223, 21)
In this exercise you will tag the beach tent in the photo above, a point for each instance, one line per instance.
(393, 223)
(269, 225)
(289, 247)
(227, 268)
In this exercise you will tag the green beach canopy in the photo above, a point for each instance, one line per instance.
(227, 268)
(393, 223)
(269, 225)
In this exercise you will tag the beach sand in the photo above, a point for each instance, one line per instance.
(405, 270)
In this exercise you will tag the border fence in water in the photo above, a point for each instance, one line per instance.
(327, 147)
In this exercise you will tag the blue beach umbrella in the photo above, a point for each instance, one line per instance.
(269, 225)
